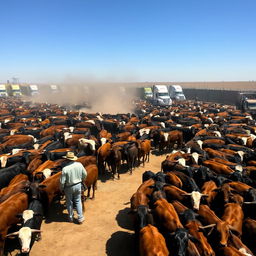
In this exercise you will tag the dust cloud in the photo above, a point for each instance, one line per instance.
(89, 97)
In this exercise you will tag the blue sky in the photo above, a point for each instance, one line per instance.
(119, 40)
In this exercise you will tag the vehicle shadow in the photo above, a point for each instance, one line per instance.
(121, 243)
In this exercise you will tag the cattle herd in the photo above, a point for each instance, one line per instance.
(202, 202)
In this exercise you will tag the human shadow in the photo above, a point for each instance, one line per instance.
(121, 243)
(56, 213)
(125, 219)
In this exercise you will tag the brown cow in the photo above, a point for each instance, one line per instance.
(249, 232)
(138, 198)
(212, 220)
(87, 160)
(166, 215)
(202, 245)
(51, 186)
(91, 179)
(173, 179)
(144, 150)
(152, 242)
(103, 153)
(219, 168)
(8, 211)
(233, 216)
(209, 188)
(15, 186)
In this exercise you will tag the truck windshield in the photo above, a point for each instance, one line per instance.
(2, 90)
(16, 90)
(252, 105)
(163, 94)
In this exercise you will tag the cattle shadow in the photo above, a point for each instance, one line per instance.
(12, 247)
(125, 219)
(160, 153)
(121, 243)
(56, 212)
(107, 175)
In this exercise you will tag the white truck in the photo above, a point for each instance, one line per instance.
(161, 95)
(176, 92)
(3, 90)
(33, 89)
(54, 88)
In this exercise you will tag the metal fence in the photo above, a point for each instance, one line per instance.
(219, 96)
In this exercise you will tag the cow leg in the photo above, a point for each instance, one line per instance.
(88, 193)
(148, 155)
(144, 159)
(94, 187)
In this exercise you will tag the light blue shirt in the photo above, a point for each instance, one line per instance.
(72, 174)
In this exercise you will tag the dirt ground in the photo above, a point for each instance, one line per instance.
(107, 229)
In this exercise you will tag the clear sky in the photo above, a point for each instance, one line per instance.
(128, 40)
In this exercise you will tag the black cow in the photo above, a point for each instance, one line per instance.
(7, 174)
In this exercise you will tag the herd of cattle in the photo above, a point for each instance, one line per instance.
(203, 201)
(206, 183)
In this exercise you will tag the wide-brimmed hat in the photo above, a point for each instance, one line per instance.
(70, 156)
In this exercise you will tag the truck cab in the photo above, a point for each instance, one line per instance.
(33, 88)
(176, 92)
(148, 94)
(15, 90)
(247, 102)
(161, 95)
(3, 90)
(54, 88)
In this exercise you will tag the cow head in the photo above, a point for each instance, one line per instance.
(219, 231)
(25, 235)
(195, 198)
(143, 216)
(34, 190)
(180, 240)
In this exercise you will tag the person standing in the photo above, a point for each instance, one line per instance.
(71, 180)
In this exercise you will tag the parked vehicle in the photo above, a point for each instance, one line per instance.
(30, 89)
(14, 90)
(161, 95)
(148, 94)
(54, 88)
(247, 102)
(176, 92)
(3, 90)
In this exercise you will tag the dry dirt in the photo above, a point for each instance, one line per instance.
(107, 229)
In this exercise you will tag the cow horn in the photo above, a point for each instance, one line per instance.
(250, 202)
(186, 194)
(36, 230)
(208, 226)
(13, 234)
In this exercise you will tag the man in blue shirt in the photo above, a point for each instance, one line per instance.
(71, 180)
